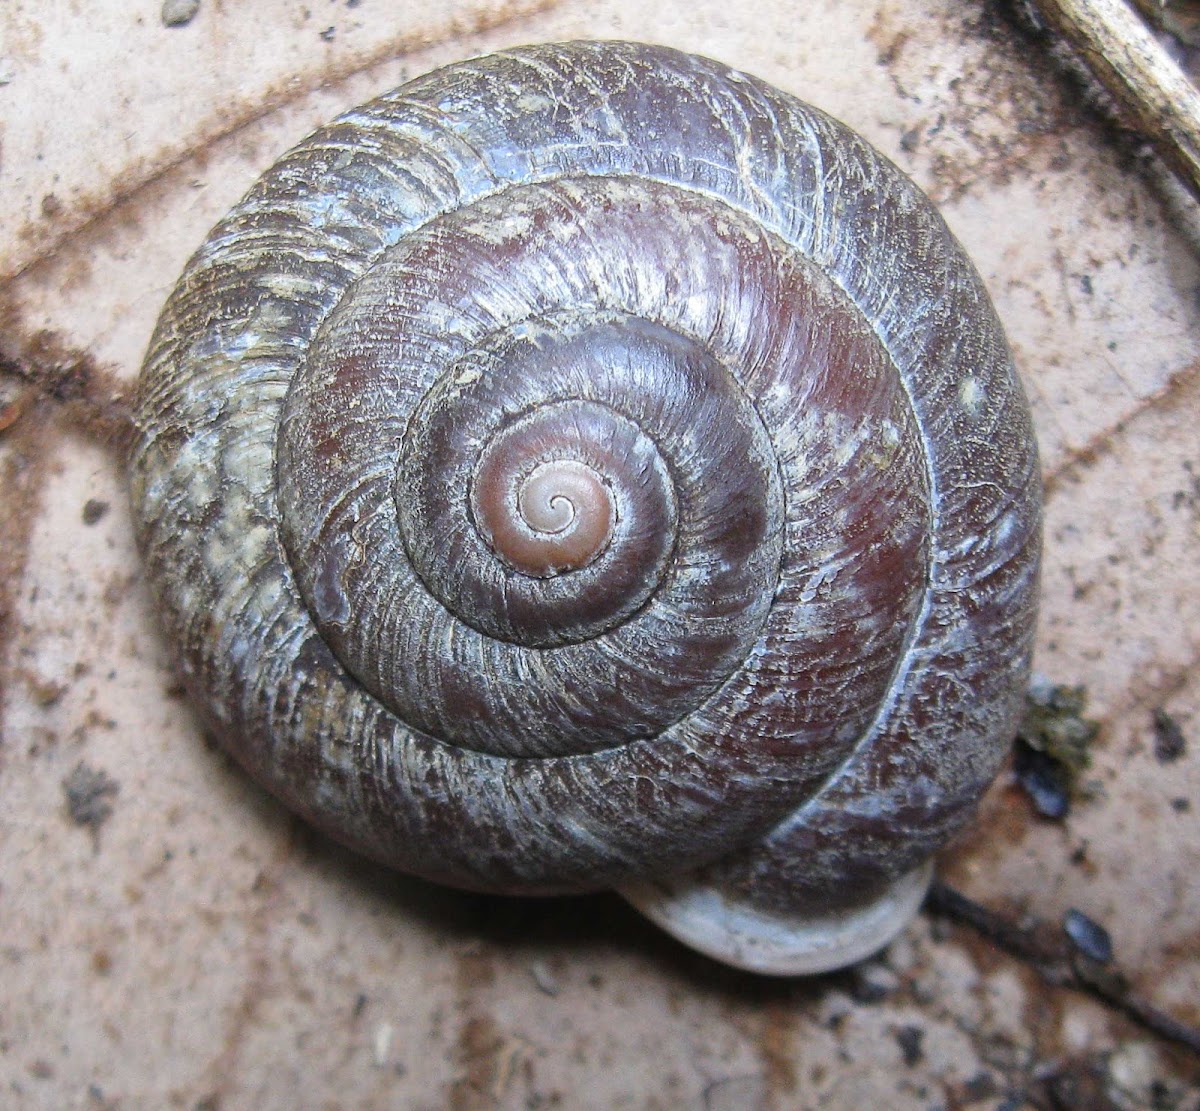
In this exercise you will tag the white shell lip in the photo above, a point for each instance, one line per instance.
(729, 929)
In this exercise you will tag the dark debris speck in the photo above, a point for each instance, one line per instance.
(1044, 779)
(981, 1086)
(1163, 1097)
(93, 510)
(909, 1039)
(1169, 742)
(1080, 1084)
(89, 793)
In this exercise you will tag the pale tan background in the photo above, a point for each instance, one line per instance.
(203, 950)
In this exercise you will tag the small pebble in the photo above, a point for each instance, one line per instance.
(544, 978)
(179, 13)
(872, 982)
(1133, 1068)
(381, 1047)
(1088, 936)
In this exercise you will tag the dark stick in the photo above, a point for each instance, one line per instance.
(1057, 963)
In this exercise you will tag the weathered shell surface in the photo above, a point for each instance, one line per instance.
(774, 619)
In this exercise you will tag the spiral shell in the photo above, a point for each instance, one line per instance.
(588, 466)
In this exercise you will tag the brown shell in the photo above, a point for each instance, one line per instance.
(793, 646)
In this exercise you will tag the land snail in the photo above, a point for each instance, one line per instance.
(589, 467)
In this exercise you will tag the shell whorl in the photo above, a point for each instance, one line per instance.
(585, 465)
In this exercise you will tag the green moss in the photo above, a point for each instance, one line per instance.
(1054, 724)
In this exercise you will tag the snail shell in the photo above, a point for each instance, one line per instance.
(588, 466)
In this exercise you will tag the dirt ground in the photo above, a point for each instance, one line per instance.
(171, 937)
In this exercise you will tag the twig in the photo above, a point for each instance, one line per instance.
(1120, 52)
(1055, 960)
(1111, 988)
(1178, 18)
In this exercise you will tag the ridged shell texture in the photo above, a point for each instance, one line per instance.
(586, 465)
